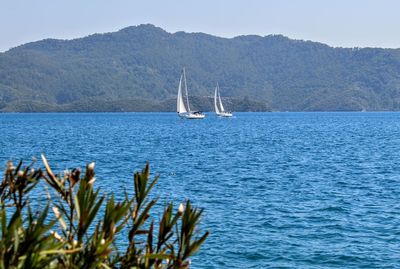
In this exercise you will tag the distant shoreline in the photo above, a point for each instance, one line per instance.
(138, 68)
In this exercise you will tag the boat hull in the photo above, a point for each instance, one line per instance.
(224, 114)
(192, 116)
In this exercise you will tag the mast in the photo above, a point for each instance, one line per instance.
(186, 90)
(215, 100)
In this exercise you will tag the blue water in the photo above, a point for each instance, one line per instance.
(280, 190)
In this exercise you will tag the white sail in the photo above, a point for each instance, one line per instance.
(180, 106)
(220, 102)
(186, 90)
(215, 101)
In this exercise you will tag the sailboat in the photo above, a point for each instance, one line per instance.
(182, 109)
(219, 108)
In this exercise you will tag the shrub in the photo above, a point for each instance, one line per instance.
(89, 223)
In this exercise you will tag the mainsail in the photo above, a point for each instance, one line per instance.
(186, 90)
(215, 101)
(180, 106)
(220, 102)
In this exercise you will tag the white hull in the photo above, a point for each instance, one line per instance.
(192, 116)
(225, 114)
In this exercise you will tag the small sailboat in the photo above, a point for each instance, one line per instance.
(182, 109)
(219, 108)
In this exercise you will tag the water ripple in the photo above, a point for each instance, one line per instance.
(280, 190)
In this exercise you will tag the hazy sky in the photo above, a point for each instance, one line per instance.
(346, 23)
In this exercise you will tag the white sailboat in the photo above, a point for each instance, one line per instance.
(219, 108)
(182, 109)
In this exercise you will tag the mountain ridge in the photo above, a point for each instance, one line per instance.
(144, 62)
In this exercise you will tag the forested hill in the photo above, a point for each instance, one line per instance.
(138, 69)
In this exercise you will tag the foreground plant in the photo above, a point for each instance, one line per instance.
(82, 228)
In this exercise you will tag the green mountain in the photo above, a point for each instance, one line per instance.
(138, 69)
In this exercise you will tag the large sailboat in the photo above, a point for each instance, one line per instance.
(182, 109)
(219, 108)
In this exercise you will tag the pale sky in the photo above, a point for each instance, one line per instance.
(345, 23)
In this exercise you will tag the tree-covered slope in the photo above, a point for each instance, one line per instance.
(138, 68)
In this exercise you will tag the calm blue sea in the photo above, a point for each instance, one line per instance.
(280, 190)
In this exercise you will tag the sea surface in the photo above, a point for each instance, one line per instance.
(279, 190)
